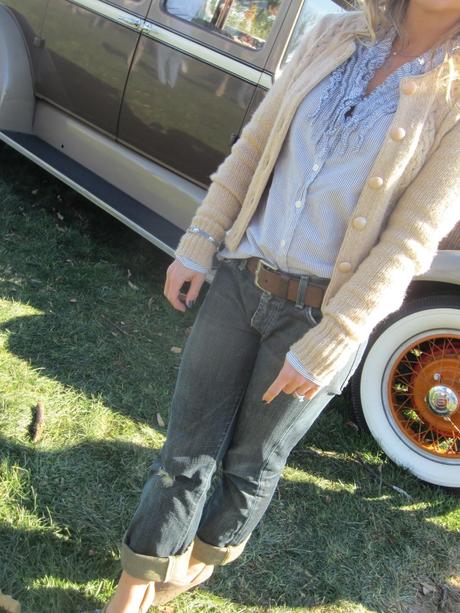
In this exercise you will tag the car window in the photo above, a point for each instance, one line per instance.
(312, 11)
(246, 22)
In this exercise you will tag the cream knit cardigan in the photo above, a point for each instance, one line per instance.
(410, 201)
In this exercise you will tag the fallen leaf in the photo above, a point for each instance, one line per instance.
(160, 421)
(176, 350)
(92, 552)
(131, 285)
(73, 300)
(427, 588)
(34, 192)
(188, 331)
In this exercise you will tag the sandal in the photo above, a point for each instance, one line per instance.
(164, 592)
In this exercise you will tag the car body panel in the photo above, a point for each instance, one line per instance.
(183, 82)
(154, 186)
(85, 62)
(174, 107)
(445, 268)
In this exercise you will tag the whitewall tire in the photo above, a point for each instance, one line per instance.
(407, 389)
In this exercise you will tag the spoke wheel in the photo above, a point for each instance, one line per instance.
(424, 394)
(406, 391)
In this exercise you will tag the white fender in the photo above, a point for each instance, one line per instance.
(17, 99)
(444, 268)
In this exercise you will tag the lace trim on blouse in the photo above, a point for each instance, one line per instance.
(345, 113)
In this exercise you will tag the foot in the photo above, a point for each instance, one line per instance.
(131, 596)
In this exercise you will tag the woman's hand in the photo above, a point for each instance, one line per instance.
(176, 275)
(290, 381)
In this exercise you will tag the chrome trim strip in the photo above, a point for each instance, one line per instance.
(160, 34)
(266, 80)
(87, 194)
(196, 50)
(111, 12)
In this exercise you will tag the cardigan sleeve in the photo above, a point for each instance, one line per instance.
(231, 181)
(426, 212)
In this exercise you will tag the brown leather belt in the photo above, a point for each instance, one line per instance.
(304, 291)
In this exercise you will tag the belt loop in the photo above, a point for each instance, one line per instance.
(242, 264)
(303, 284)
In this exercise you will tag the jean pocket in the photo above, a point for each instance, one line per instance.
(312, 315)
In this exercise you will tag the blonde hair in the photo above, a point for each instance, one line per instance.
(383, 14)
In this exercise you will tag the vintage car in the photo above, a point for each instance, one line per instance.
(134, 103)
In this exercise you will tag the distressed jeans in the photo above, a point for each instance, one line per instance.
(235, 351)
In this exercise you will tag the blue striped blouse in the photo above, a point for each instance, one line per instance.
(329, 151)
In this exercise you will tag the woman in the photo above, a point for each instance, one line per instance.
(344, 181)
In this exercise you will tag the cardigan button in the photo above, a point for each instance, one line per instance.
(397, 133)
(409, 88)
(345, 267)
(375, 182)
(359, 223)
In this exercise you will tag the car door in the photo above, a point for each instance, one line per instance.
(195, 72)
(88, 46)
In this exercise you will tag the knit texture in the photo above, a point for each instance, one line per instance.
(411, 201)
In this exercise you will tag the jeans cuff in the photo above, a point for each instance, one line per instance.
(151, 568)
(217, 556)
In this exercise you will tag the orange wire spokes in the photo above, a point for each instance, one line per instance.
(430, 362)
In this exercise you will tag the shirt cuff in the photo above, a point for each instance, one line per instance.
(191, 264)
(300, 368)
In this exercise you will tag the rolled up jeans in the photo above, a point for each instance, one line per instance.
(235, 351)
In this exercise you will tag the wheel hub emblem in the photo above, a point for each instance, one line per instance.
(442, 400)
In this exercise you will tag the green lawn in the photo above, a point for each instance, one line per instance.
(85, 329)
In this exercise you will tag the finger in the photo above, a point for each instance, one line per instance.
(311, 393)
(194, 289)
(294, 384)
(275, 388)
(304, 388)
(173, 294)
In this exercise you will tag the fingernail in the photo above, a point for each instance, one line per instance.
(190, 304)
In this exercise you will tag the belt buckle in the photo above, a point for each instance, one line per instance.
(262, 264)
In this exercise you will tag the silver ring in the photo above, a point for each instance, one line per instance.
(299, 397)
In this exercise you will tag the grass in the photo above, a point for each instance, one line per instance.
(85, 329)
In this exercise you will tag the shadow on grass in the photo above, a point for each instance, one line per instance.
(315, 546)
(104, 326)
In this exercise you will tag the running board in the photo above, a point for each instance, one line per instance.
(144, 221)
